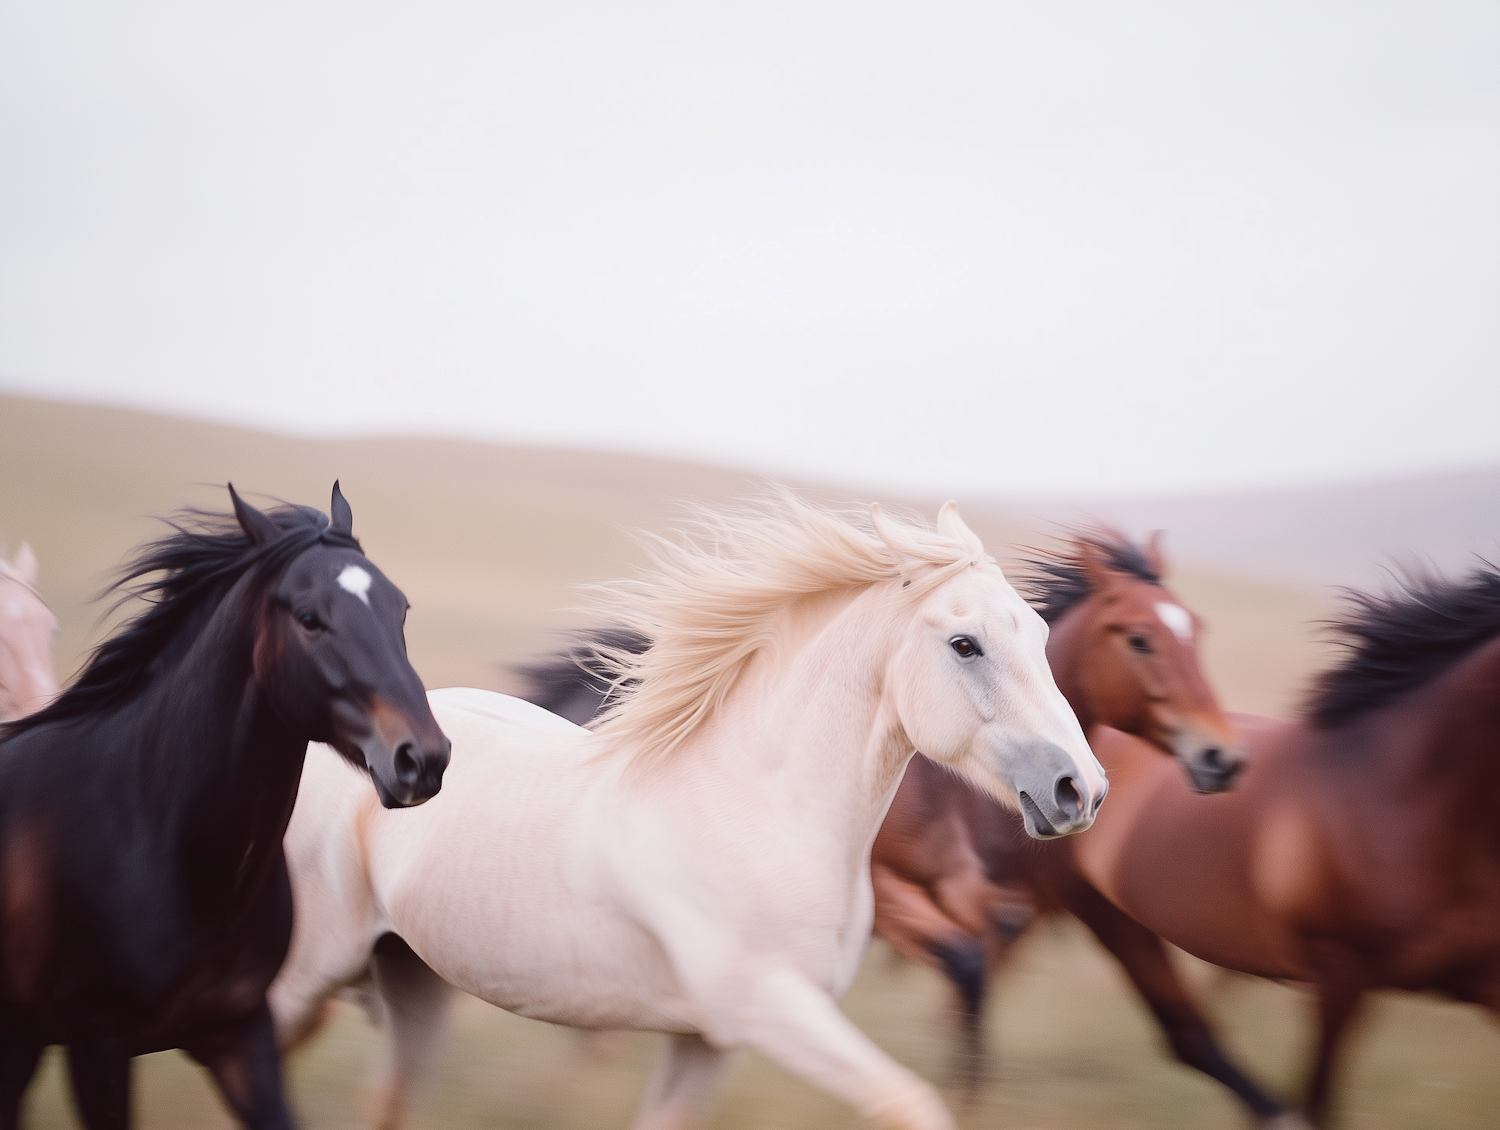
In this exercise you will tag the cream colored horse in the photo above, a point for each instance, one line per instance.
(700, 863)
(27, 629)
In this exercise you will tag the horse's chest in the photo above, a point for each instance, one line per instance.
(151, 969)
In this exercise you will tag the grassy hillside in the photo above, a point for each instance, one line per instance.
(489, 542)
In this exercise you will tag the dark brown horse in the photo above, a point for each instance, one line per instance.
(1361, 849)
(955, 878)
(144, 899)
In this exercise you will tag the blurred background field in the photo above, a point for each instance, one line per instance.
(490, 542)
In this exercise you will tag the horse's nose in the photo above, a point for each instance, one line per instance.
(1098, 800)
(420, 772)
(1068, 799)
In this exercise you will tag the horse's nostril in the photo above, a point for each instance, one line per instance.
(1213, 757)
(404, 761)
(1069, 802)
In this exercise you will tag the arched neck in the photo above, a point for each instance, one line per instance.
(1067, 652)
(219, 768)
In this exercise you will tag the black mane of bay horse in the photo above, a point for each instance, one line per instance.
(144, 898)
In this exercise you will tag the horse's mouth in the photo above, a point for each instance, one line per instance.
(1037, 825)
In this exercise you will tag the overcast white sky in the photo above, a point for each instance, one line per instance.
(1065, 247)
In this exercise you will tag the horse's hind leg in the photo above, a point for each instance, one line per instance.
(682, 1084)
(18, 1060)
(99, 1072)
(1144, 959)
(413, 1004)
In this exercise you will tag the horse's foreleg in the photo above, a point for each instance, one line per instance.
(790, 1020)
(247, 1069)
(18, 1060)
(99, 1073)
(916, 928)
(413, 1004)
(1341, 987)
(1144, 958)
(683, 1083)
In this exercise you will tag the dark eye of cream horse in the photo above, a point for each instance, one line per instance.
(145, 900)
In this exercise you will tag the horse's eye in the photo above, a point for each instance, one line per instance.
(310, 621)
(964, 646)
(1140, 644)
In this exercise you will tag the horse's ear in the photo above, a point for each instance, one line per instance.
(338, 510)
(25, 564)
(951, 525)
(1154, 557)
(258, 528)
(1091, 557)
(895, 540)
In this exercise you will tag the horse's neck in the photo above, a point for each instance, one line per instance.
(1067, 653)
(1462, 754)
(813, 721)
(221, 771)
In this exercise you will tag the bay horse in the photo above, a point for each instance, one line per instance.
(1361, 848)
(698, 864)
(27, 631)
(144, 897)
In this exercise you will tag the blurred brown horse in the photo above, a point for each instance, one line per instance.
(1361, 849)
(955, 879)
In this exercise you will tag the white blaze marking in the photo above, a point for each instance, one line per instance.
(355, 580)
(1178, 618)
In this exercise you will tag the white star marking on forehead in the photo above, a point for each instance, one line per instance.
(355, 580)
(1178, 618)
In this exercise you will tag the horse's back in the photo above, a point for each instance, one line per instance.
(501, 708)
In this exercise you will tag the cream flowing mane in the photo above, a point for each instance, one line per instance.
(709, 597)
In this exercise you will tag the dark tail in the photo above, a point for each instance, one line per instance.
(576, 682)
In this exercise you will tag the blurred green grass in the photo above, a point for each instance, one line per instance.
(1073, 1049)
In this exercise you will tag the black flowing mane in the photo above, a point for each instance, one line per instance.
(583, 665)
(1058, 581)
(1401, 640)
(190, 571)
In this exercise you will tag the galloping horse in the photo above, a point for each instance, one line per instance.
(27, 629)
(699, 863)
(956, 879)
(144, 898)
(1361, 848)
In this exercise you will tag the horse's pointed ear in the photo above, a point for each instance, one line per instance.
(25, 564)
(1154, 555)
(1095, 568)
(951, 525)
(338, 510)
(258, 528)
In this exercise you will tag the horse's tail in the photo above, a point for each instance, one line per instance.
(577, 682)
